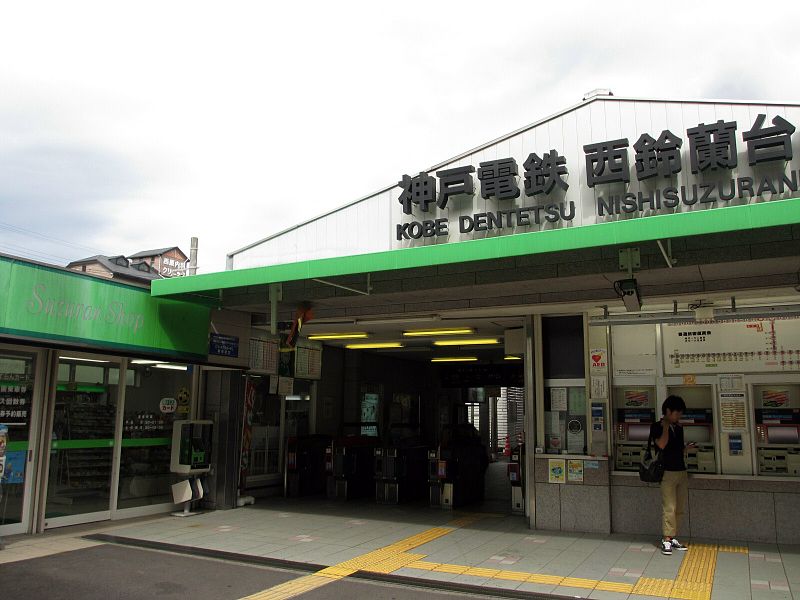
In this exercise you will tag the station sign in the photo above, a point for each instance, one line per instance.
(656, 162)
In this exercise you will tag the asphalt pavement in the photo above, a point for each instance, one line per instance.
(110, 572)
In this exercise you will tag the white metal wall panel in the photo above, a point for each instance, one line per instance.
(604, 119)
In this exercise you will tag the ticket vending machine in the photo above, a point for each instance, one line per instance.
(635, 412)
(698, 426)
(777, 421)
(191, 458)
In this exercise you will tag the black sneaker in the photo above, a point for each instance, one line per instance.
(676, 545)
(666, 547)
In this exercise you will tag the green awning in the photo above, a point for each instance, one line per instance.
(659, 227)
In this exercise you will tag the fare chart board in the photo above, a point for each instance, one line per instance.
(308, 360)
(742, 346)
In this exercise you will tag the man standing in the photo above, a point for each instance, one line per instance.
(667, 435)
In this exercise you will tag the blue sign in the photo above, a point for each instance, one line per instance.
(14, 471)
(223, 345)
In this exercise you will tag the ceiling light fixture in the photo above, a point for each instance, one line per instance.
(513, 358)
(454, 359)
(469, 342)
(92, 360)
(142, 361)
(435, 332)
(171, 367)
(374, 346)
(338, 336)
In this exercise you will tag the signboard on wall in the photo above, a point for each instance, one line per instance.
(633, 350)
(308, 360)
(743, 346)
(672, 166)
(264, 355)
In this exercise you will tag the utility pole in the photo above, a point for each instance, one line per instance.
(193, 257)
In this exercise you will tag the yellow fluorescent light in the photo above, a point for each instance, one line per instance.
(513, 358)
(454, 359)
(374, 346)
(469, 342)
(338, 336)
(435, 332)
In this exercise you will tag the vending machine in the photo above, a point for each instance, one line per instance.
(698, 426)
(635, 412)
(777, 421)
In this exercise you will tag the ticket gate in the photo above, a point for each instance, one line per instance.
(400, 473)
(457, 468)
(516, 475)
(353, 467)
(305, 465)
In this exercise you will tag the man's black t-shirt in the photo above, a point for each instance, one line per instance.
(672, 454)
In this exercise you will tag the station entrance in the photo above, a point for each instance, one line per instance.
(400, 411)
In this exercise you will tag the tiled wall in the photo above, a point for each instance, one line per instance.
(718, 509)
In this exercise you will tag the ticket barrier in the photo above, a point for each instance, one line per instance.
(460, 466)
(516, 475)
(353, 467)
(305, 465)
(400, 473)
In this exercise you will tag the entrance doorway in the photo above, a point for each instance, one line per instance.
(84, 413)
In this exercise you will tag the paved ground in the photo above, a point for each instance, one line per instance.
(108, 572)
(331, 547)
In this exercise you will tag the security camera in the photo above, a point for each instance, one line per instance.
(628, 290)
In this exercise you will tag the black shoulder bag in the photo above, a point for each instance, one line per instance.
(651, 469)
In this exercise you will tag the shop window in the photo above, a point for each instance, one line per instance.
(16, 395)
(89, 373)
(161, 396)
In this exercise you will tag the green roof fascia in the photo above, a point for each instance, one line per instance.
(658, 227)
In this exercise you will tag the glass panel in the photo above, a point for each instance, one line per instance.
(82, 443)
(266, 428)
(565, 419)
(16, 396)
(158, 397)
(297, 408)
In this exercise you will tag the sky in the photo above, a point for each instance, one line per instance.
(136, 125)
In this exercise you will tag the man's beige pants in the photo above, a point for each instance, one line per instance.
(674, 489)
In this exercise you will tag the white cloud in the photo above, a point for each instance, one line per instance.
(231, 121)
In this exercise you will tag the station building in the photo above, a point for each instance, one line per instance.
(551, 287)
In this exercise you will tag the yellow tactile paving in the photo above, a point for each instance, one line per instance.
(290, 589)
(384, 560)
(647, 586)
(613, 586)
(694, 580)
(734, 549)
(546, 579)
(579, 582)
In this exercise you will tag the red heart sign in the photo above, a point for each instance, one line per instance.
(596, 357)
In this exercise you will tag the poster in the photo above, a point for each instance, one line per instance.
(558, 398)
(599, 390)
(637, 399)
(273, 384)
(285, 386)
(731, 382)
(555, 470)
(575, 471)
(775, 398)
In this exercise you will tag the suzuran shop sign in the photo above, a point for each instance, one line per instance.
(710, 165)
(44, 303)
